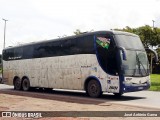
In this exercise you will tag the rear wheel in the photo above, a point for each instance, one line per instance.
(25, 84)
(94, 88)
(17, 84)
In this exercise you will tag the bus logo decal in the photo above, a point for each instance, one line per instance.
(113, 87)
(104, 42)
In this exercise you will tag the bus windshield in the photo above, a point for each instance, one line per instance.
(129, 42)
(136, 64)
(137, 61)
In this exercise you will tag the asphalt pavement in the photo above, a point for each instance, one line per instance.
(148, 99)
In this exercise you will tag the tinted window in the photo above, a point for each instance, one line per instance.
(56, 48)
(81, 45)
(37, 51)
(13, 54)
(85, 45)
(107, 53)
(129, 42)
(18, 52)
(69, 47)
(27, 52)
(72, 46)
(8, 54)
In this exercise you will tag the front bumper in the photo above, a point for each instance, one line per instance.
(132, 88)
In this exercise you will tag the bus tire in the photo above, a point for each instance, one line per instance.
(25, 84)
(17, 84)
(94, 88)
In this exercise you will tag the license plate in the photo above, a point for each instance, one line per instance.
(140, 88)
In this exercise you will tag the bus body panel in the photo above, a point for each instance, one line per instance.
(63, 72)
(113, 84)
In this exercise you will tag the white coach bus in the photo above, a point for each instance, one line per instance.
(96, 62)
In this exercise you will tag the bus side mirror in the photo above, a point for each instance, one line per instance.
(154, 52)
(123, 52)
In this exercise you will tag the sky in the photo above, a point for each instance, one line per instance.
(36, 20)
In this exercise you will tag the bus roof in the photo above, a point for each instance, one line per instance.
(112, 32)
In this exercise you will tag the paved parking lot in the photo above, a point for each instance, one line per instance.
(12, 100)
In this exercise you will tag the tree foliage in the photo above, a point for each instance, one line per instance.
(78, 32)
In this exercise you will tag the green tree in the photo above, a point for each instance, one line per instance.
(78, 32)
(148, 35)
(127, 29)
(157, 36)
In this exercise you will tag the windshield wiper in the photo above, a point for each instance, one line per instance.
(139, 67)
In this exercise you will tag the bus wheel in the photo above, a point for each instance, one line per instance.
(25, 84)
(94, 89)
(17, 84)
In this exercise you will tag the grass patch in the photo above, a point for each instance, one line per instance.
(155, 82)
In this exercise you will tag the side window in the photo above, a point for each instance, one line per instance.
(53, 49)
(13, 53)
(47, 49)
(8, 54)
(39, 50)
(36, 51)
(18, 52)
(106, 53)
(69, 47)
(85, 45)
(27, 52)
